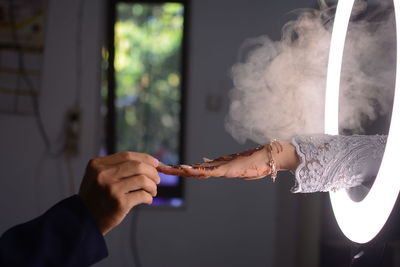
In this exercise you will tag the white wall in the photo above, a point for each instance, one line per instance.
(32, 179)
(224, 222)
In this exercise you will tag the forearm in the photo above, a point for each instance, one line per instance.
(250, 164)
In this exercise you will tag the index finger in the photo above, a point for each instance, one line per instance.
(129, 156)
(133, 168)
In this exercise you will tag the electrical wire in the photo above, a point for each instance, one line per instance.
(70, 173)
(37, 181)
(78, 52)
(25, 78)
(33, 91)
(71, 119)
(134, 237)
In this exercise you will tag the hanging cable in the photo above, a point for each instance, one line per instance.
(78, 52)
(26, 79)
(134, 237)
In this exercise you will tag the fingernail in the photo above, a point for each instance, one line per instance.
(207, 160)
(186, 166)
(156, 162)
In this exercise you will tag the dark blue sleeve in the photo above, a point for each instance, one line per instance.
(66, 235)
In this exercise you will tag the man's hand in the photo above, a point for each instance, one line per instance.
(114, 184)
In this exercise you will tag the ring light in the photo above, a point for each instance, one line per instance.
(361, 221)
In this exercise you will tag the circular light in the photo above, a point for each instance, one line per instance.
(361, 221)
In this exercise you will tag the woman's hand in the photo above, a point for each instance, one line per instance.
(251, 164)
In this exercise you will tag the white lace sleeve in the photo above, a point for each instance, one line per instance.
(329, 163)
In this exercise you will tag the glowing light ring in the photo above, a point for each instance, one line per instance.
(362, 221)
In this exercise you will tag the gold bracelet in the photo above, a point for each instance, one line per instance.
(272, 163)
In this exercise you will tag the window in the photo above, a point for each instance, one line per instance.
(144, 85)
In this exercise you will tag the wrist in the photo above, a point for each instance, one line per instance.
(286, 159)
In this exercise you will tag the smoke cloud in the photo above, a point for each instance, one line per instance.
(279, 87)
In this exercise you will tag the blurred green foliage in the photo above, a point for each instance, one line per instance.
(148, 40)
